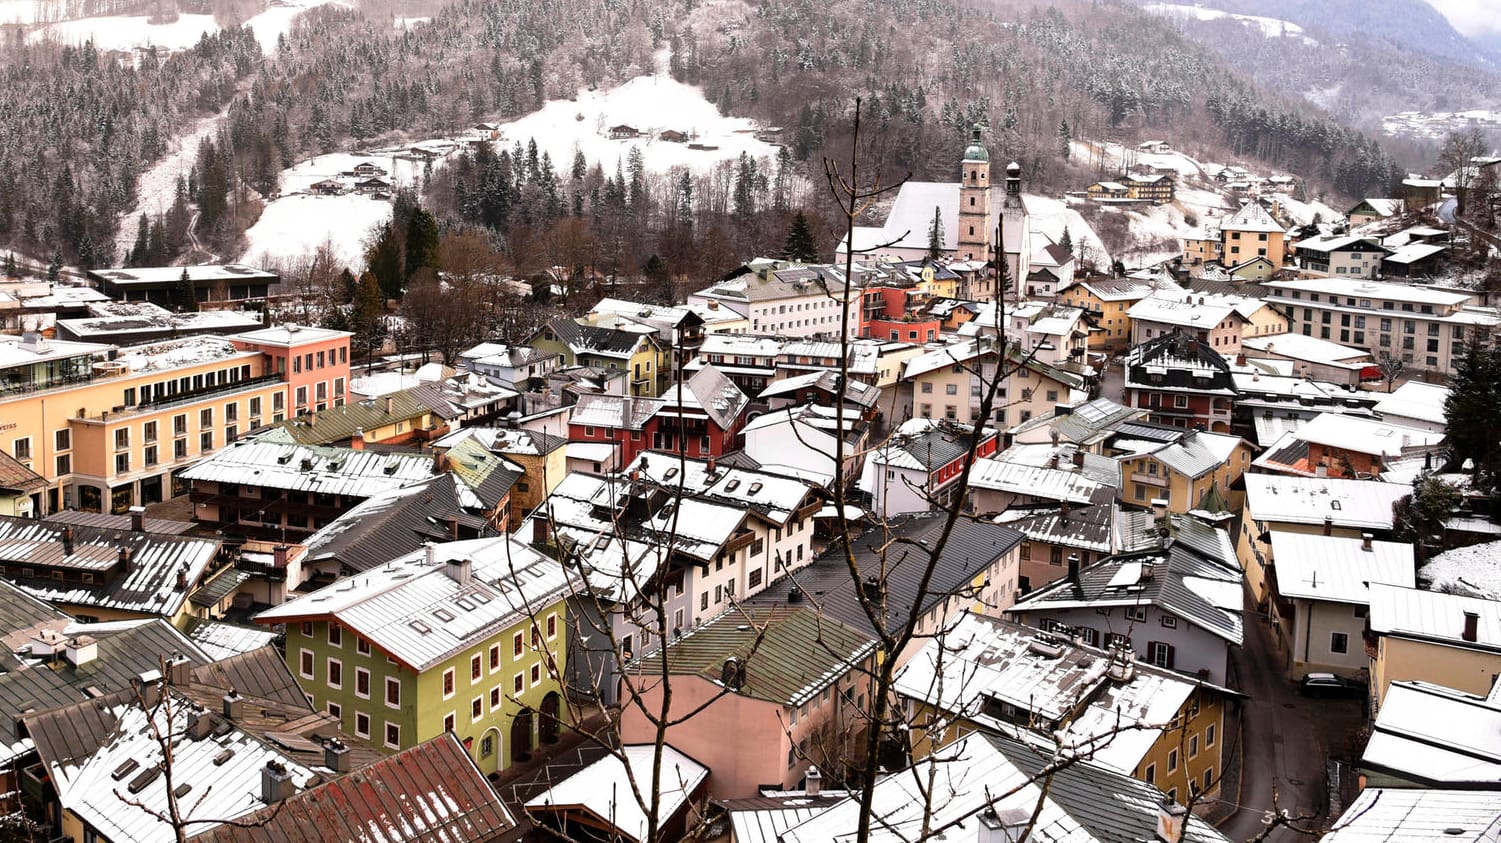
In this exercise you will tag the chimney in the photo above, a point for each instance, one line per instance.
(440, 462)
(179, 671)
(1073, 567)
(1053, 460)
(1365, 542)
(199, 724)
(148, 687)
(461, 571)
(336, 756)
(124, 557)
(68, 540)
(1078, 459)
(357, 441)
(871, 588)
(81, 650)
(1328, 525)
(453, 527)
(814, 782)
(1240, 359)
(182, 578)
(711, 467)
(1063, 510)
(388, 405)
(233, 705)
(1472, 627)
(138, 519)
(1170, 817)
(280, 555)
(540, 528)
(276, 783)
(732, 674)
(429, 554)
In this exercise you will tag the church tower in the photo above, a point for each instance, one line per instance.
(974, 202)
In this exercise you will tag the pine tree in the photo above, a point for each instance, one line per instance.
(1065, 138)
(800, 245)
(55, 269)
(422, 241)
(185, 296)
(1067, 241)
(10, 266)
(366, 315)
(935, 236)
(1474, 403)
(383, 260)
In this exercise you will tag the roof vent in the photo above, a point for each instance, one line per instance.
(732, 674)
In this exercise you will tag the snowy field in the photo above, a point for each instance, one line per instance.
(276, 21)
(1267, 27)
(128, 32)
(1051, 216)
(294, 226)
(651, 105)
(1118, 157)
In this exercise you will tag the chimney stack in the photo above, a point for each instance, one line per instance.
(357, 441)
(1472, 627)
(182, 578)
(336, 756)
(138, 519)
(388, 405)
(199, 724)
(276, 783)
(453, 527)
(233, 705)
(280, 555)
(81, 650)
(148, 687)
(1073, 567)
(1170, 818)
(124, 557)
(1365, 542)
(179, 671)
(1328, 525)
(712, 465)
(68, 540)
(1078, 459)
(461, 571)
(540, 528)
(814, 782)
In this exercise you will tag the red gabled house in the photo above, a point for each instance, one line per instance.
(702, 416)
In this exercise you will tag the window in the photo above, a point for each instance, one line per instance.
(1160, 654)
(1172, 760)
(305, 664)
(206, 417)
(122, 463)
(927, 387)
(518, 684)
(206, 440)
(301, 395)
(1169, 621)
(517, 644)
(393, 736)
(231, 412)
(255, 407)
(476, 708)
(335, 710)
(447, 683)
(63, 439)
(1193, 746)
(552, 627)
(362, 683)
(1150, 774)
(361, 724)
(495, 698)
(335, 673)
(1339, 642)
(448, 722)
(537, 672)
(393, 692)
(179, 449)
(951, 389)
(335, 635)
(307, 629)
(361, 646)
(122, 440)
(1209, 735)
(1208, 779)
(494, 657)
(1136, 613)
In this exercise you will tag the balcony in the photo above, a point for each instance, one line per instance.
(182, 400)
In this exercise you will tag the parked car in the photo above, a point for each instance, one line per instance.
(1329, 685)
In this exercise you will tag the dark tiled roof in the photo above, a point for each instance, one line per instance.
(122, 656)
(826, 582)
(15, 475)
(120, 522)
(789, 652)
(1081, 525)
(388, 525)
(432, 792)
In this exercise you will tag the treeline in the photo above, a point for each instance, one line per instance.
(77, 129)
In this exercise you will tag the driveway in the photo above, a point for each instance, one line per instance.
(1283, 741)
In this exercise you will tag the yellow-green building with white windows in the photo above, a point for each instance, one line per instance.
(466, 636)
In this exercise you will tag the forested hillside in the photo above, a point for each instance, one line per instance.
(1036, 74)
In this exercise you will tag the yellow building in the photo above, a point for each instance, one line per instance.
(1429, 636)
(1107, 302)
(1250, 232)
(1191, 472)
(1014, 680)
(108, 428)
(638, 352)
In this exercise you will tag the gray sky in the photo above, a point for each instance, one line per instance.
(1471, 17)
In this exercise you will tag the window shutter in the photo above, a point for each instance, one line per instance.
(1168, 656)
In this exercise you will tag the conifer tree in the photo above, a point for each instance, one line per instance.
(422, 241)
(800, 245)
(1474, 403)
(935, 236)
(185, 297)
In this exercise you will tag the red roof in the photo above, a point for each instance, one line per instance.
(432, 792)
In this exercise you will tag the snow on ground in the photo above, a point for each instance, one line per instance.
(276, 21)
(408, 23)
(1051, 216)
(1117, 157)
(1324, 97)
(128, 32)
(1268, 27)
(400, 171)
(651, 105)
(1303, 212)
(157, 186)
(298, 225)
(18, 11)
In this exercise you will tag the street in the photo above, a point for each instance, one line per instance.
(1285, 742)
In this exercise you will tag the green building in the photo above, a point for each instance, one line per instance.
(467, 636)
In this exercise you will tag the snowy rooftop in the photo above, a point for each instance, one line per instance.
(1433, 735)
(1397, 815)
(1415, 400)
(1311, 349)
(1366, 436)
(290, 334)
(604, 788)
(157, 275)
(1414, 612)
(172, 354)
(1336, 568)
(1363, 504)
(1381, 290)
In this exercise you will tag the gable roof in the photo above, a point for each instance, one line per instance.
(1251, 217)
(1433, 616)
(1436, 736)
(1336, 568)
(1365, 504)
(15, 476)
(311, 468)
(708, 390)
(393, 523)
(1178, 580)
(789, 653)
(431, 792)
(603, 790)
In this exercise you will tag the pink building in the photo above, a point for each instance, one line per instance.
(784, 722)
(313, 361)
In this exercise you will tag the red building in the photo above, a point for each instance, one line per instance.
(1181, 381)
(884, 314)
(625, 422)
(702, 416)
(313, 361)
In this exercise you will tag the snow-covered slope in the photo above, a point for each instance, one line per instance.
(1266, 27)
(128, 32)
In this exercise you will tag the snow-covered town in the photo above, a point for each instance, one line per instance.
(426, 426)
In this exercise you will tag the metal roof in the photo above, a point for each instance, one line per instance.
(310, 468)
(1435, 616)
(1337, 568)
(1365, 504)
(1437, 736)
(1409, 815)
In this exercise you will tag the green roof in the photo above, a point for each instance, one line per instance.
(798, 652)
(976, 151)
